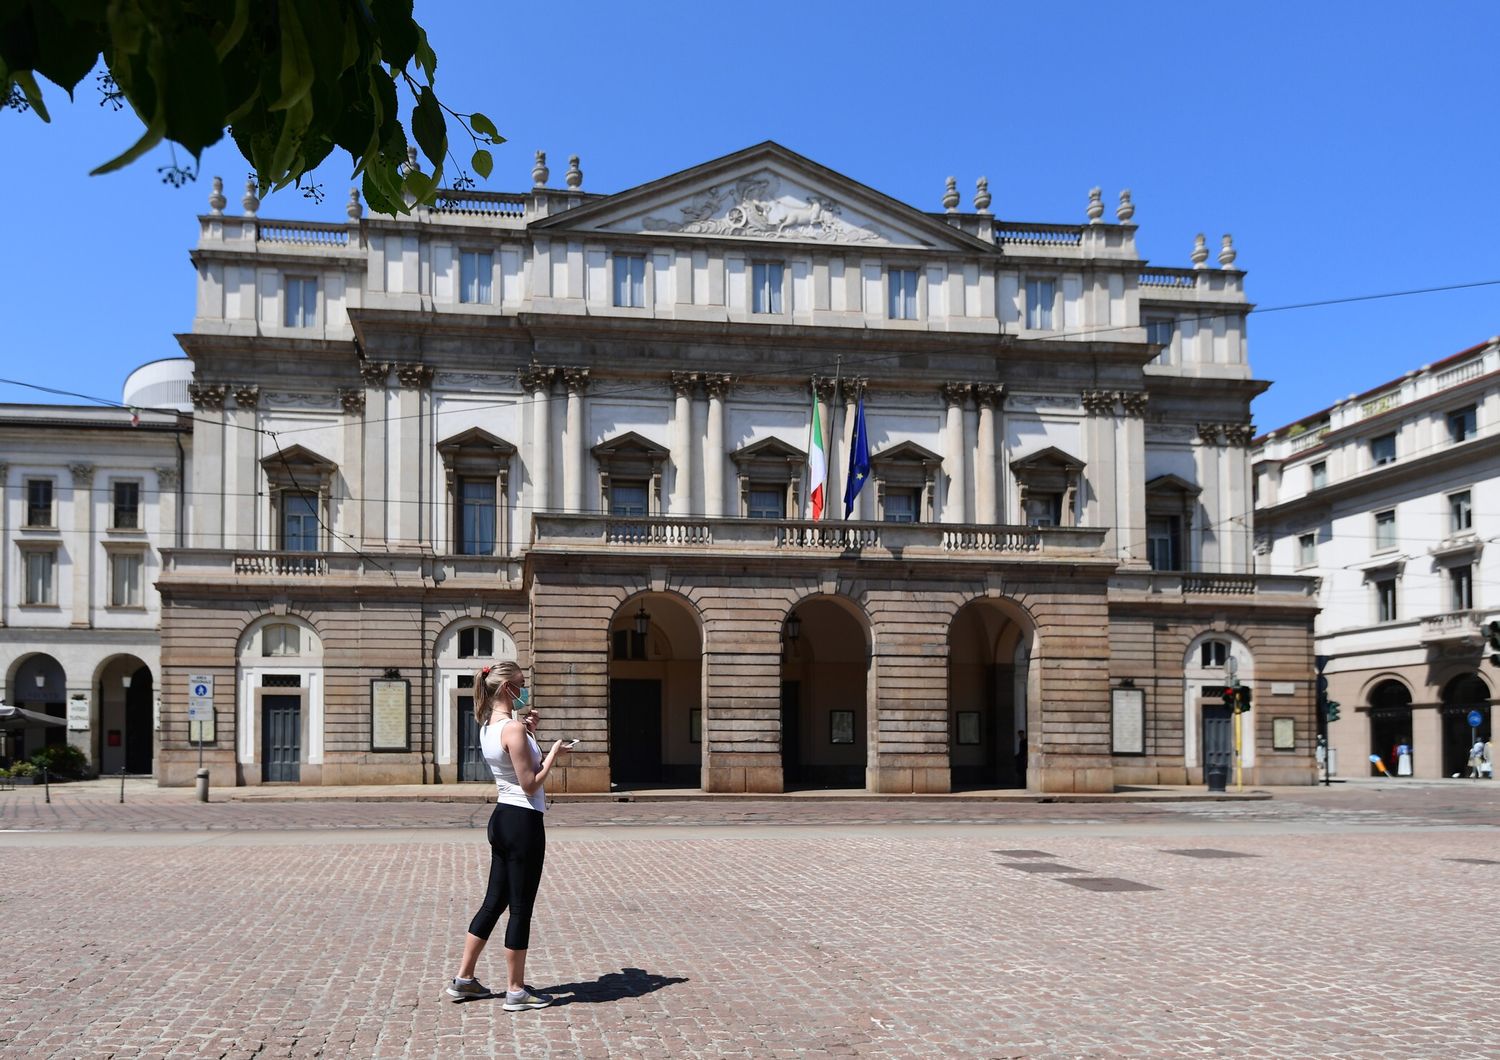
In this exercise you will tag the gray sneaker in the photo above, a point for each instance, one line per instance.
(524, 999)
(469, 991)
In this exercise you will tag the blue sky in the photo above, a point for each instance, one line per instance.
(1350, 148)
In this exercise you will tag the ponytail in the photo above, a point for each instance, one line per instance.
(488, 681)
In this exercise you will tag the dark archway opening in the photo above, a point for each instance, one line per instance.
(1391, 729)
(824, 676)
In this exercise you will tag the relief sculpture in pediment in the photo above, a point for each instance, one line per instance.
(758, 207)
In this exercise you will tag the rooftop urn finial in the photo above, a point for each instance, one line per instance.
(354, 209)
(950, 195)
(216, 200)
(1227, 253)
(1200, 251)
(1126, 210)
(250, 202)
(982, 195)
(410, 165)
(1096, 205)
(540, 172)
(574, 176)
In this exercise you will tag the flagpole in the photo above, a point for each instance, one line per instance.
(838, 365)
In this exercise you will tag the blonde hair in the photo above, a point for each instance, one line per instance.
(488, 681)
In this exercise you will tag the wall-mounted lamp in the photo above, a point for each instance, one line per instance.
(793, 627)
(642, 620)
(41, 680)
(392, 674)
(125, 681)
(1127, 682)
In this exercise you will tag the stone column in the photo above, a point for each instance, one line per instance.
(1237, 495)
(683, 384)
(408, 451)
(166, 508)
(4, 549)
(986, 508)
(82, 545)
(376, 518)
(208, 465)
(954, 457)
(352, 401)
(713, 451)
(577, 381)
(537, 381)
(241, 473)
(1206, 457)
(1131, 451)
(1101, 458)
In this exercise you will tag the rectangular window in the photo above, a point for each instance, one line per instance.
(1039, 297)
(1460, 513)
(766, 502)
(1385, 529)
(1158, 330)
(1162, 534)
(900, 506)
(476, 642)
(627, 498)
(1461, 588)
(301, 298)
(125, 579)
(282, 639)
(39, 502)
(1317, 475)
(127, 506)
(40, 571)
(1383, 449)
(475, 270)
(476, 516)
(1215, 653)
(1043, 509)
(903, 294)
(1462, 423)
(1385, 599)
(1307, 550)
(765, 279)
(630, 280)
(299, 522)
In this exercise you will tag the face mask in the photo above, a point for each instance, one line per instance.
(523, 700)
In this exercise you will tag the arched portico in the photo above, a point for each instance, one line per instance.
(990, 644)
(656, 718)
(1391, 725)
(279, 695)
(36, 683)
(825, 675)
(1461, 695)
(461, 649)
(124, 733)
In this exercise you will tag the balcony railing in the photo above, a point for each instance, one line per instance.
(1461, 373)
(303, 233)
(1454, 626)
(403, 568)
(1185, 584)
(1038, 235)
(1182, 278)
(1309, 438)
(480, 203)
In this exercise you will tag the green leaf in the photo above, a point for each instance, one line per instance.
(428, 126)
(155, 132)
(32, 93)
(231, 33)
(377, 198)
(297, 69)
(426, 57)
(482, 126)
(193, 96)
(395, 31)
(66, 50)
(483, 162)
(420, 185)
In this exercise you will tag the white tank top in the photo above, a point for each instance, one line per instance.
(508, 790)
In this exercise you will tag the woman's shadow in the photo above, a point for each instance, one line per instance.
(612, 986)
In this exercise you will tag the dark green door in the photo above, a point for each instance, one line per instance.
(283, 737)
(471, 763)
(635, 732)
(1218, 746)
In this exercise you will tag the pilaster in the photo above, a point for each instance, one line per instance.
(242, 490)
(537, 455)
(4, 546)
(1101, 509)
(1130, 442)
(374, 520)
(83, 544)
(575, 459)
(166, 506)
(410, 449)
(208, 465)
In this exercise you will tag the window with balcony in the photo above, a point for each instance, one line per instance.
(1047, 487)
(126, 513)
(770, 478)
(476, 270)
(280, 640)
(476, 642)
(1163, 542)
(300, 301)
(905, 480)
(1040, 295)
(1383, 449)
(902, 294)
(1214, 654)
(900, 505)
(477, 469)
(1385, 530)
(1171, 503)
(765, 279)
(627, 497)
(300, 483)
(40, 572)
(1460, 513)
(125, 581)
(630, 474)
(1159, 331)
(475, 529)
(630, 280)
(299, 522)
(1461, 587)
(1462, 423)
(1317, 475)
(39, 502)
(1385, 599)
(766, 502)
(1307, 550)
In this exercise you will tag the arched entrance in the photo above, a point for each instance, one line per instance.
(1390, 725)
(824, 679)
(655, 693)
(1464, 693)
(125, 733)
(462, 648)
(279, 696)
(989, 654)
(37, 684)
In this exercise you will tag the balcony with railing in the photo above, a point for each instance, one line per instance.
(1014, 234)
(1204, 586)
(1453, 627)
(183, 566)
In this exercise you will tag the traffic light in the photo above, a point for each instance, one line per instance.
(1244, 698)
(1228, 696)
(1332, 710)
(1493, 631)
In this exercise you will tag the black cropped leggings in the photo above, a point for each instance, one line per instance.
(518, 846)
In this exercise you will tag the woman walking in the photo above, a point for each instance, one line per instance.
(518, 841)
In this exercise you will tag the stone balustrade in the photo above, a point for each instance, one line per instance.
(1194, 584)
(406, 569)
(1453, 626)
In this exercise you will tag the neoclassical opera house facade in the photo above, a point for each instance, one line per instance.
(573, 429)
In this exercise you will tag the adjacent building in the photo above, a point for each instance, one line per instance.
(574, 429)
(1382, 498)
(88, 498)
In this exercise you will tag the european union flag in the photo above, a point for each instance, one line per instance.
(859, 460)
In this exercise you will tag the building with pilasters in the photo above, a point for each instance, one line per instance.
(573, 428)
(1382, 498)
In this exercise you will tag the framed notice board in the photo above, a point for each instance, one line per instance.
(390, 714)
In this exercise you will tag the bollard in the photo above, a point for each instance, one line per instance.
(47, 785)
(122, 785)
(202, 785)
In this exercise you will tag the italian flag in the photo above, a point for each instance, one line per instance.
(817, 463)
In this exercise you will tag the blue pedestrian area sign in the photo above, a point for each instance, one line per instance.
(1476, 719)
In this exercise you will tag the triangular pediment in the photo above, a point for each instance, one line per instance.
(767, 450)
(629, 444)
(1170, 484)
(1050, 458)
(906, 452)
(475, 438)
(765, 193)
(298, 458)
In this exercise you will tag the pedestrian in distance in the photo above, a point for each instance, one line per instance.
(1487, 760)
(1476, 758)
(518, 840)
(1403, 759)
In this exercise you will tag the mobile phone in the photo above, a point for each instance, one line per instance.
(570, 744)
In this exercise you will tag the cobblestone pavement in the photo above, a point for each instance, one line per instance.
(1345, 927)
